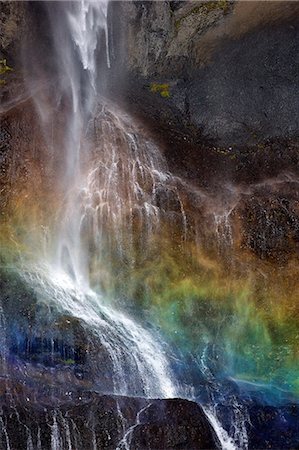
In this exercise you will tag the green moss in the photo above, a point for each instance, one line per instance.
(161, 88)
(69, 361)
(4, 68)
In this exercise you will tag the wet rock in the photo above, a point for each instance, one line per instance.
(87, 420)
(173, 424)
(45, 345)
(271, 221)
(274, 427)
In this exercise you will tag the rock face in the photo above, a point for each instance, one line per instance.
(14, 24)
(220, 73)
(50, 363)
(272, 227)
(11, 18)
(217, 84)
(172, 424)
(274, 428)
(41, 343)
(87, 420)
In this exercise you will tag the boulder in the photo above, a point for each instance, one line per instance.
(88, 420)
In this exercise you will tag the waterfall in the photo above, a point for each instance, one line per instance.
(86, 23)
(136, 360)
(114, 180)
(148, 270)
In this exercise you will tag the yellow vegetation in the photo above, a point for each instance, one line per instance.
(161, 88)
(4, 68)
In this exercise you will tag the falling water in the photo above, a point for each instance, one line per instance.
(139, 366)
(137, 362)
(128, 188)
(114, 179)
(87, 23)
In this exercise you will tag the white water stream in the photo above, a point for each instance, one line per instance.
(128, 177)
(137, 360)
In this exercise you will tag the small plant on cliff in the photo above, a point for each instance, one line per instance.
(4, 68)
(161, 88)
(69, 361)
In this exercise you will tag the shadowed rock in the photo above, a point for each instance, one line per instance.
(87, 421)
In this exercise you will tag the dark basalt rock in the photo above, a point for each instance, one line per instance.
(270, 220)
(172, 424)
(269, 426)
(49, 365)
(274, 427)
(87, 421)
(235, 91)
(41, 344)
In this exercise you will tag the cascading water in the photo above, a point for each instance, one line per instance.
(137, 361)
(85, 22)
(119, 278)
(117, 195)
